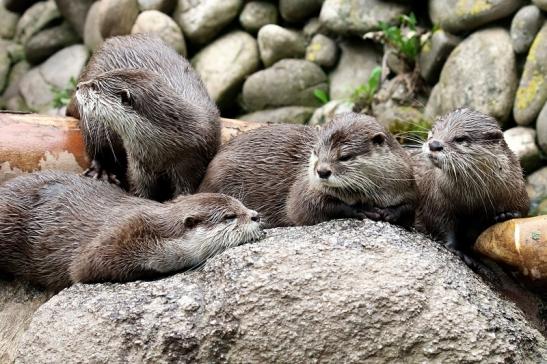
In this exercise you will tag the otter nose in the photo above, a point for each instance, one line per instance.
(255, 216)
(435, 146)
(324, 172)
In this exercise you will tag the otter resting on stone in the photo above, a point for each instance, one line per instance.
(299, 175)
(146, 117)
(468, 179)
(58, 229)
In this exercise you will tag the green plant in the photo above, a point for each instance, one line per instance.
(364, 93)
(403, 38)
(61, 97)
(321, 95)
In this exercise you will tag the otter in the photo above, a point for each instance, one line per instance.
(57, 229)
(468, 179)
(146, 117)
(298, 175)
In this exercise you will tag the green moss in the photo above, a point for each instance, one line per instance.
(527, 93)
(473, 7)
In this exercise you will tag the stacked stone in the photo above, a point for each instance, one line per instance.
(266, 60)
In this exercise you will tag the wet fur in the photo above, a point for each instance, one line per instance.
(57, 229)
(160, 142)
(478, 179)
(272, 170)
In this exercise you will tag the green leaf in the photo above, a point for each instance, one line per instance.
(321, 95)
(374, 79)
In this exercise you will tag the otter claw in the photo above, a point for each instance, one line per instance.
(504, 216)
(96, 171)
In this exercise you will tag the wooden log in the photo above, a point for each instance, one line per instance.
(31, 142)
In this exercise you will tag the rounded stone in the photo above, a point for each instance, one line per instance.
(92, 29)
(299, 10)
(480, 73)
(289, 82)
(17, 72)
(118, 17)
(5, 65)
(522, 141)
(156, 22)
(224, 64)
(532, 91)
(8, 22)
(256, 14)
(36, 18)
(323, 51)
(457, 16)
(202, 20)
(75, 12)
(434, 53)
(359, 16)
(165, 6)
(43, 44)
(276, 43)
(524, 27)
(19, 6)
(329, 110)
(357, 60)
(541, 128)
(542, 4)
(282, 115)
(536, 185)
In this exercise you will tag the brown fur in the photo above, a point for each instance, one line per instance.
(477, 180)
(57, 229)
(146, 116)
(273, 170)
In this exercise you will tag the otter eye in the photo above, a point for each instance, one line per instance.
(230, 217)
(461, 139)
(495, 135)
(191, 222)
(94, 86)
(125, 97)
(378, 139)
(345, 157)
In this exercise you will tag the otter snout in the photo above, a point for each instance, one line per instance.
(254, 216)
(435, 145)
(323, 171)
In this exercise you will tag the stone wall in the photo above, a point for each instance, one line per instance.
(266, 60)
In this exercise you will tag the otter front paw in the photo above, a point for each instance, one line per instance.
(96, 171)
(504, 216)
(400, 214)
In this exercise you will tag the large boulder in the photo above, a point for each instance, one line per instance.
(456, 16)
(224, 64)
(92, 28)
(36, 18)
(156, 22)
(524, 27)
(75, 12)
(357, 60)
(276, 43)
(343, 291)
(289, 82)
(532, 90)
(256, 14)
(202, 20)
(43, 44)
(480, 73)
(118, 17)
(359, 16)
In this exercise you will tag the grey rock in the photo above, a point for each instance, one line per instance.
(224, 64)
(299, 10)
(18, 302)
(542, 4)
(541, 128)
(8, 22)
(434, 53)
(48, 41)
(92, 28)
(165, 6)
(276, 43)
(359, 16)
(17, 72)
(289, 82)
(17, 103)
(5, 65)
(532, 89)
(256, 14)
(313, 27)
(343, 292)
(524, 27)
(19, 6)
(35, 19)
(329, 110)
(480, 73)
(323, 51)
(357, 60)
(202, 20)
(456, 16)
(156, 22)
(75, 12)
(522, 141)
(36, 92)
(118, 17)
(536, 185)
(286, 115)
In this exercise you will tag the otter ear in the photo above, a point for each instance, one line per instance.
(378, 138)
(125, 97)
(191, 222)
(493, 135)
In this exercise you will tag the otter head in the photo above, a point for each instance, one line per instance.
(356, 156)
(466, 143)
